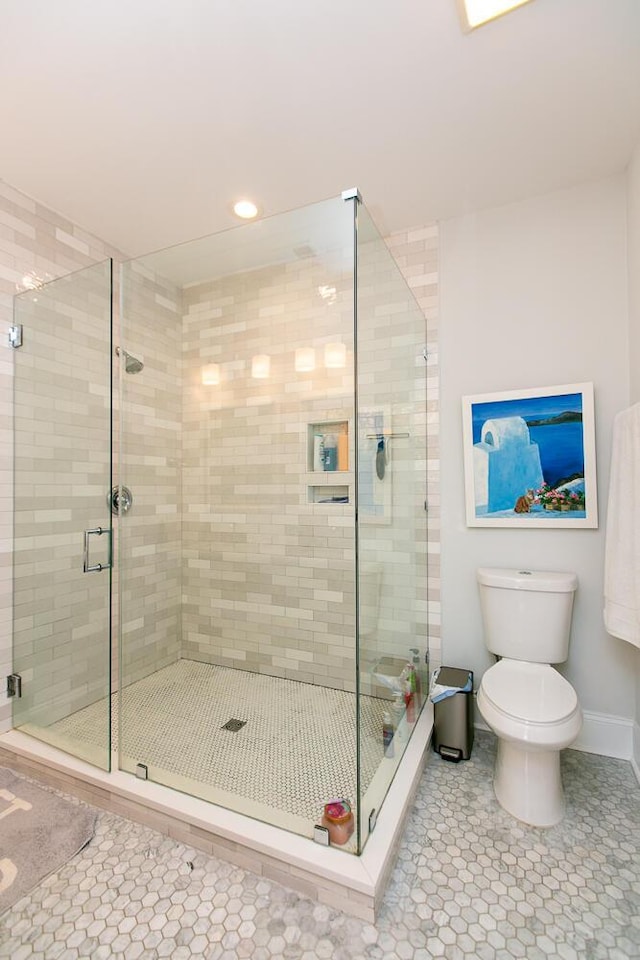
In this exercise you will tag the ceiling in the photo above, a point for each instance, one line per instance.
(141, 120)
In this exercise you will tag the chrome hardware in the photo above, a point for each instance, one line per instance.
(131, 363)
(119, 500)
(14, 685)
(142, 771)
(373, 819)
(87, 567)
(425, 355)
(352, 194)
(321, 835)
(15, 335)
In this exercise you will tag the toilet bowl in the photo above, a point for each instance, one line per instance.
(535, 714)
(531, 708)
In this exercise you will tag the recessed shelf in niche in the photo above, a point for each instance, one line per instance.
(328, 493)
(328, 446)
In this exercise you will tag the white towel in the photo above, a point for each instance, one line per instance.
(622, 552)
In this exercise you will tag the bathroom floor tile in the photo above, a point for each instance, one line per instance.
(469, 882)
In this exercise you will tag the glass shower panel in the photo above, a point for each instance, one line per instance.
(237, 557)
(392, 523)
(62, 524)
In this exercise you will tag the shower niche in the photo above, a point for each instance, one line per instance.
(242, 576)
(328, 458)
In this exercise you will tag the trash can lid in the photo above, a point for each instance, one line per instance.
(453, 677)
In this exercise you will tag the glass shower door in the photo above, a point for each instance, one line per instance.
(392, 555)
(62, 521)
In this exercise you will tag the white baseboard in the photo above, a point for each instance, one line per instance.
(601, 733)
(635, 758)
(605, 734)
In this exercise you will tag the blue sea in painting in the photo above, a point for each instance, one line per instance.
(561, 450)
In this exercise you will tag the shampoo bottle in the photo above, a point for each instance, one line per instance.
(331, 452)
(387, 735)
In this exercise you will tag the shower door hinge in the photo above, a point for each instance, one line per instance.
(15, 335)
(321, 835)
(14, 685)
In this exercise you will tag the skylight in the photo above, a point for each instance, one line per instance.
(476, 12)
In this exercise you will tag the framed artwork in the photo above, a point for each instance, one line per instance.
(529, 458)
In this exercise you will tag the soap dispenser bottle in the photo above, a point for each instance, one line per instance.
(414, 676)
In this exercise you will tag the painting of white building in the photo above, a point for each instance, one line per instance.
(529, 457)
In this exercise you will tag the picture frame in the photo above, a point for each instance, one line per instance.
(529, 458)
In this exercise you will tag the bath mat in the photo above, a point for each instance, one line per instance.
(39, 832)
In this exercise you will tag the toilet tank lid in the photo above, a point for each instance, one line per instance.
(544, 581)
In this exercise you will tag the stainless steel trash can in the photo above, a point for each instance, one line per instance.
(453, 715)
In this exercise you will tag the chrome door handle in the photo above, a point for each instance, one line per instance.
(87, 567)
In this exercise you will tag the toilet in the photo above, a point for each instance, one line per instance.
(531, 708)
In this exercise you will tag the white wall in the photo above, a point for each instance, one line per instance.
(633, 241)
(535, 294)
(633, 246)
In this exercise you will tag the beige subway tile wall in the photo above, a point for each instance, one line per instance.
(392, 443)
(416, 253)
(35, 242)
(149, 534)
(266, 573)
(62, 404)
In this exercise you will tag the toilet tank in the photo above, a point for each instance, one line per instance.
(527, 613)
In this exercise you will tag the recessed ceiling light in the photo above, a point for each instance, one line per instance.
(476, 12)
(245, 209)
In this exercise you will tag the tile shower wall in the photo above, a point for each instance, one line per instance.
(149, 568)
(392, 374)
(37, 242)
(62, 398)
(416, 253)
(34, 241)
(268, 575)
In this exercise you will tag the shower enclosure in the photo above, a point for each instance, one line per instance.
(220, 521)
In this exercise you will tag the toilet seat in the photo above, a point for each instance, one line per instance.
(533, 693)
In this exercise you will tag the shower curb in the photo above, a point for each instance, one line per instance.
(354, 885)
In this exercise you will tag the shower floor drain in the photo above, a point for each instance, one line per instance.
(233, 725)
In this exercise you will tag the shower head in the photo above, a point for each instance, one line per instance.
(131, 363)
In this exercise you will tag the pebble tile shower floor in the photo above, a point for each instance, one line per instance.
(296, 750)
(470, 882)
